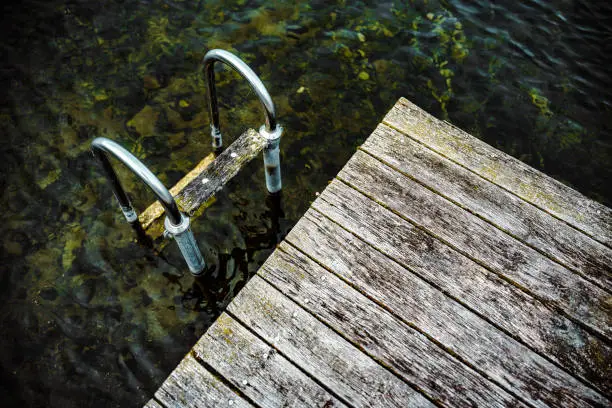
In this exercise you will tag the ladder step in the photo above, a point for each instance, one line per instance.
(195, 192)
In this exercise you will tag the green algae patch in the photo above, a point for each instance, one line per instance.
(74, 241)
(144, 122)
(49, 179)
(541, 102)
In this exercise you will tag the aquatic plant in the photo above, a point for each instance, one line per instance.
(541, 102)
(157, 35)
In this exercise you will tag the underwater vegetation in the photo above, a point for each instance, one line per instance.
(92, 318)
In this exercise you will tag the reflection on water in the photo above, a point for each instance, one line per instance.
(91, 318)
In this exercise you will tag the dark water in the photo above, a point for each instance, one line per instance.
(91, 318)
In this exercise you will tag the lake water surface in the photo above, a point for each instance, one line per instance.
(88, 316)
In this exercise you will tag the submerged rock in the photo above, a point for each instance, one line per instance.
(150, 82)
(84, 292)
(364, 76)
(144, 122)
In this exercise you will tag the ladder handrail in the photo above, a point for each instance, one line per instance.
(101, 147)
(176, 224)
(247, 73)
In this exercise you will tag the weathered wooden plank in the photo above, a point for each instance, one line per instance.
(256, 369)
(152, 404)
(217, 172)
(522, 220)
(519, 314)
(156, 210)
(531, 185)
(408, 353)
(225, 166)
(482, 242)
(346, 371)
(487, 349)
(191, 385)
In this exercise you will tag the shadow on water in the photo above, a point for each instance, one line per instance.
(91, 313)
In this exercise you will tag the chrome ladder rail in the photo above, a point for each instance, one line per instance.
(271, 130)
(177, 225)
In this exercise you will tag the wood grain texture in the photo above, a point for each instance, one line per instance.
(219, 172)
(496, 355)
(434, 271)
(346, 371)
(408, 353)
(191, 385)
(258, 370)
(531, 185)
(481, 241)
(509, 308)
(508, 212)
(156, 210)
(152, 404)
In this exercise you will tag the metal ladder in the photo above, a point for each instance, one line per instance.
(177, 224)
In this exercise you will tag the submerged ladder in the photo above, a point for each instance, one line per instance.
(196, 188)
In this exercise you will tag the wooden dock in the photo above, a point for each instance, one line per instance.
(433, 270)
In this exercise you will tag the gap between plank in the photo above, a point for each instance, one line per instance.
(500, 186)
(547, 303)
(357, 346)
(159, 402)
(221, 378)
(401, 319)
(448, 295)
(569, 268)
(311, 377)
